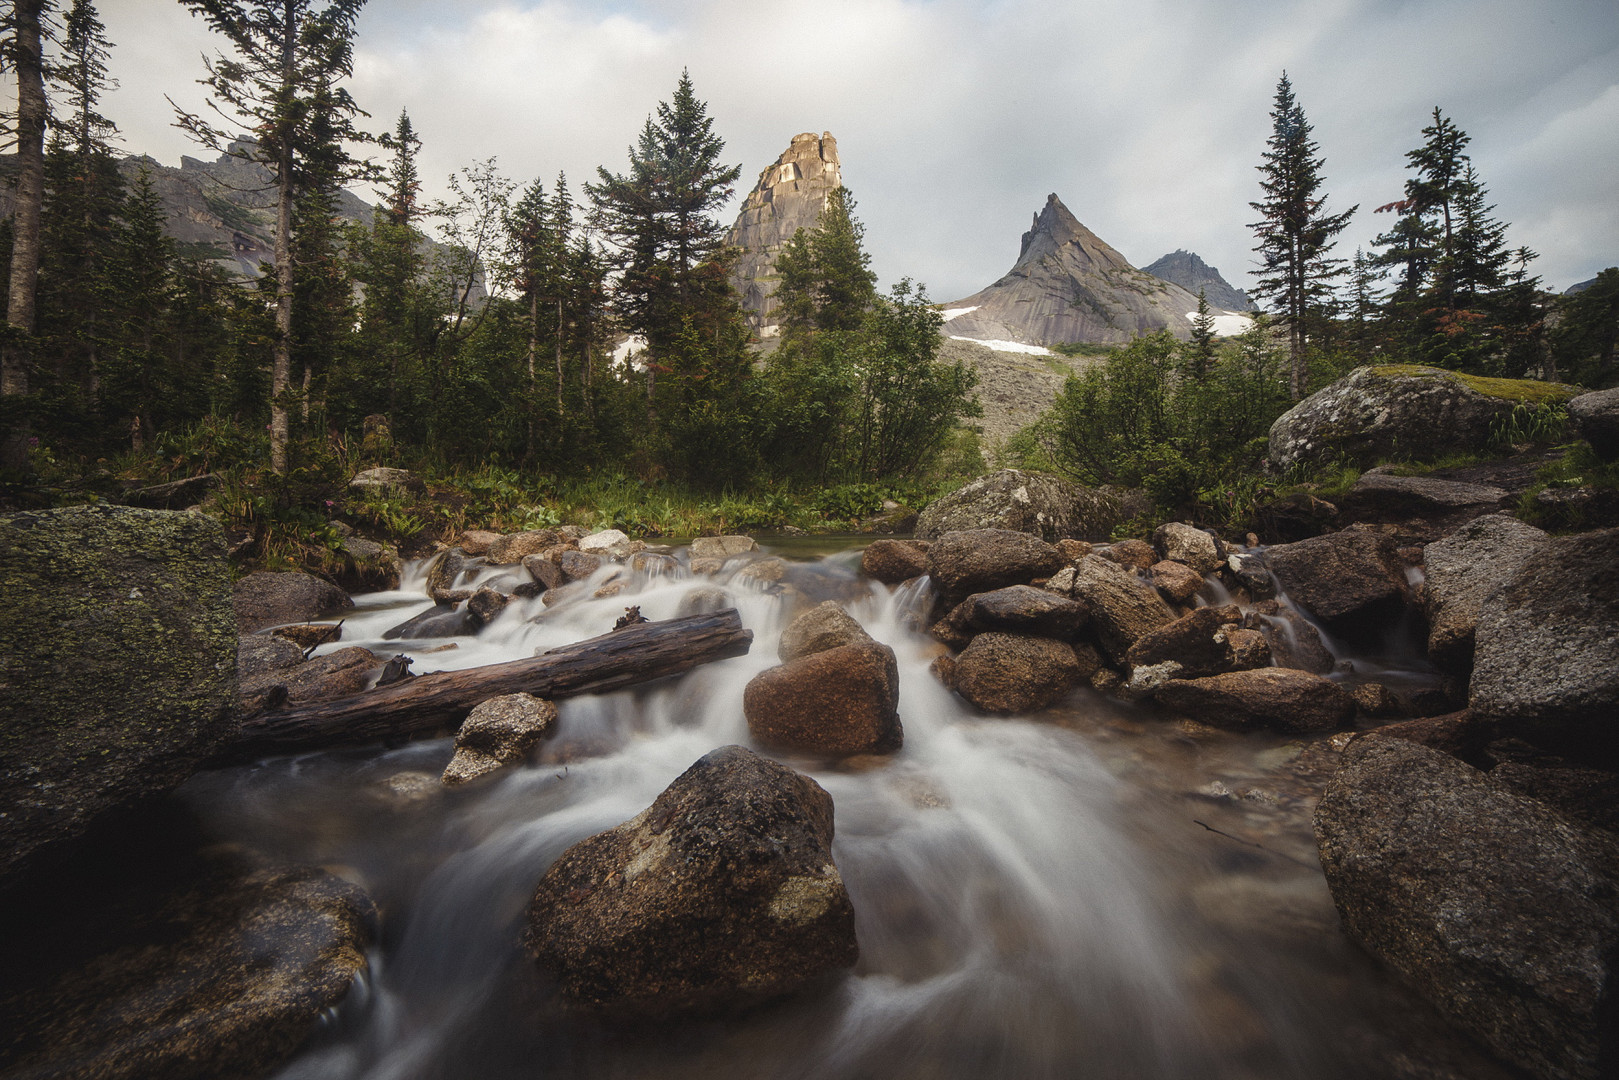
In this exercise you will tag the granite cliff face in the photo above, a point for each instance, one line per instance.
(1069, 285)
(1191, 273)
(789, 196)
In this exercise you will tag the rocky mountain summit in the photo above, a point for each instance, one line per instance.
(1186, 269)
(789, 196)
(1069, 285)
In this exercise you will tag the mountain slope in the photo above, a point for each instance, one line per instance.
(1186, 269)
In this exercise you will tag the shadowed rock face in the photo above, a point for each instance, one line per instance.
(1069, 285)
(789, 196)
(1186, 269)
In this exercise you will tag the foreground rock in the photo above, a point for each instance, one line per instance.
(501, 731)
(842, 700)
(980, 560)
(1547, 641)
(1015, 673)
(720, 894)
(1123, 607)
(1045, 506)
(226, 979)
(117, 664)
(1495, 908)
(824, 627)
(1464, 568)
(266, 599)
(1353, 580)
(1419, 412)
(1265, 699)
(894, 561)
(1596, 417)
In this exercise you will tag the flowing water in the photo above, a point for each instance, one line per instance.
(1096, 891)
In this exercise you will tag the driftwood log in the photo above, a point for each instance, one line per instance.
(442, 699)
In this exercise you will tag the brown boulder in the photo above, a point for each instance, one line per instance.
(894, 561)
(1461, 570)
(1197, 642)
(266, 599)
(1123, 607)
(476, 542)
(514, 547)
(501, 731)
(1176, 581)
(1136, 554)
(1353, 581)
(1271, 699)
(722, 893)
(820, 628)
(1015, 673)
(979, 560)
(840, 701)
(1178, 542)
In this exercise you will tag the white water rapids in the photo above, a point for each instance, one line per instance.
(1094, 892)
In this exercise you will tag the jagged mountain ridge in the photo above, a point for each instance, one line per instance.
(1186, 269)
(1069, 285)
(789, 195)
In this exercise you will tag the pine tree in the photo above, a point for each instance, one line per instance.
(826, 278)
(22, 56)
(1198, 355)
(283, 85)
(1295, 233)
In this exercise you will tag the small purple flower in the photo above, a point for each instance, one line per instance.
(33, 442)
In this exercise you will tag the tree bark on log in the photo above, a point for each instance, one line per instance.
(442, 699)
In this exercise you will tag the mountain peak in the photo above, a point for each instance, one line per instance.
(1186, 269)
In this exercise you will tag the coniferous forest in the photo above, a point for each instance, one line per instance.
(480, 338)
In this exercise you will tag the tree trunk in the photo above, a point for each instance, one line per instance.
(636, 654)
(28, 66)
(281, 362)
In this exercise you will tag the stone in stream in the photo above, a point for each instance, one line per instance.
(501, 731)
(442, 574)
(842, 700)
(824, 627)
(1018, 673)
(117, 664)
(1263, 699)
(1175, 581)
(1497, 909)
(336, 674)
(514, 547)
(980, 560)
(440, 620)
(1123, 607)
(265, 598)
(1188, 545)
(894, 561)
(1353, 580)
(1196, 642)
(720, 894)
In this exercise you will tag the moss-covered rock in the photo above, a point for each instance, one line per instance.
(1401, 410)
(117, 663)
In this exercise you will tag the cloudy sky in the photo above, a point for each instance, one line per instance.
(955, 118)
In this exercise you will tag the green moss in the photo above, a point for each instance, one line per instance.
(1528, 390)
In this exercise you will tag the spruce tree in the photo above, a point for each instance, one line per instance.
(1295, 233)
(826, 278)
(1198, 355)
(22, 55)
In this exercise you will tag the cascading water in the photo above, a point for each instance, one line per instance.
(1093, 893)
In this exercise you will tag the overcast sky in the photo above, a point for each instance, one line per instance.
(955, 118)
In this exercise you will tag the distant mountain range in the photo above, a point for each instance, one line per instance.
(1191, 273)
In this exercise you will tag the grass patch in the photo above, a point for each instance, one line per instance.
(1531, 391)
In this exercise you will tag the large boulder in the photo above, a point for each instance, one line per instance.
(267, 598)
(1596, 417)
(1045, 506)
(979, 560)
(1016, 609)
(1353, 581)
(1546, 647)
(1498, 910)
(1425, 505)
(1123, 607)
(1016, 673)
(501, 731)
(894, 561)
(1415, 412)
(721, 893)
(842, 700)
(225, 975)
(117, 663)
(1196, 643)
(1462, 569)
(826, 626)
(1189, 545)
(1268, 699)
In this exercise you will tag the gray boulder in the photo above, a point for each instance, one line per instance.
(1498, 910)
(1596, 417)
(1045, 506)
(1462, 569)
(117, 664)
(826, 626)
(1177, 542)
(266, 599)
(1547, 641)
(1416, 412)
(980, 560)
(723, 892)
(501, 731)
(1353, 581)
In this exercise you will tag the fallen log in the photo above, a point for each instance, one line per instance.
(441, 700)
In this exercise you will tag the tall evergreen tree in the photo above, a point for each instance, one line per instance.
(22, 55)
(1197, 358)
(826, 278)
(283, 84)
(1295, 233)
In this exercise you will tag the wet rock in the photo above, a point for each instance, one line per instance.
(704, 599)
(337, 674)
(1015, 673)
(579, 565)
(1464, 568)
(382, 478)
(1177, 582)
(894, 561)
(1493, 906)
(1547, 641)
(1419, 412)
(440, 620)
(1136, 554)
(117, 664)
(443, 573)
(1197, 643)
(485, 606)
(1045, 506)
(980, 560)
(1459, 734)
(722, 547)
(514, 547)
(476, 542)
(1177, 542)
(1293, 641)
(765, 572)
(308, 635)
(1016, 609)
(1122, 606)
(654, 564)
(1249, 649)
(544, 571)
(1374, 699)
(821, 628)
(720, 894)
(227, 977)
(842, 700)
(269, 599)
(1249, 572)
(1353, 581)
(1294, 517)
(1595, 416)
(1268, 699)
(501, 731)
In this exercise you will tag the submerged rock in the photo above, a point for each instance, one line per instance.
(720, 894)
(1494, 907)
